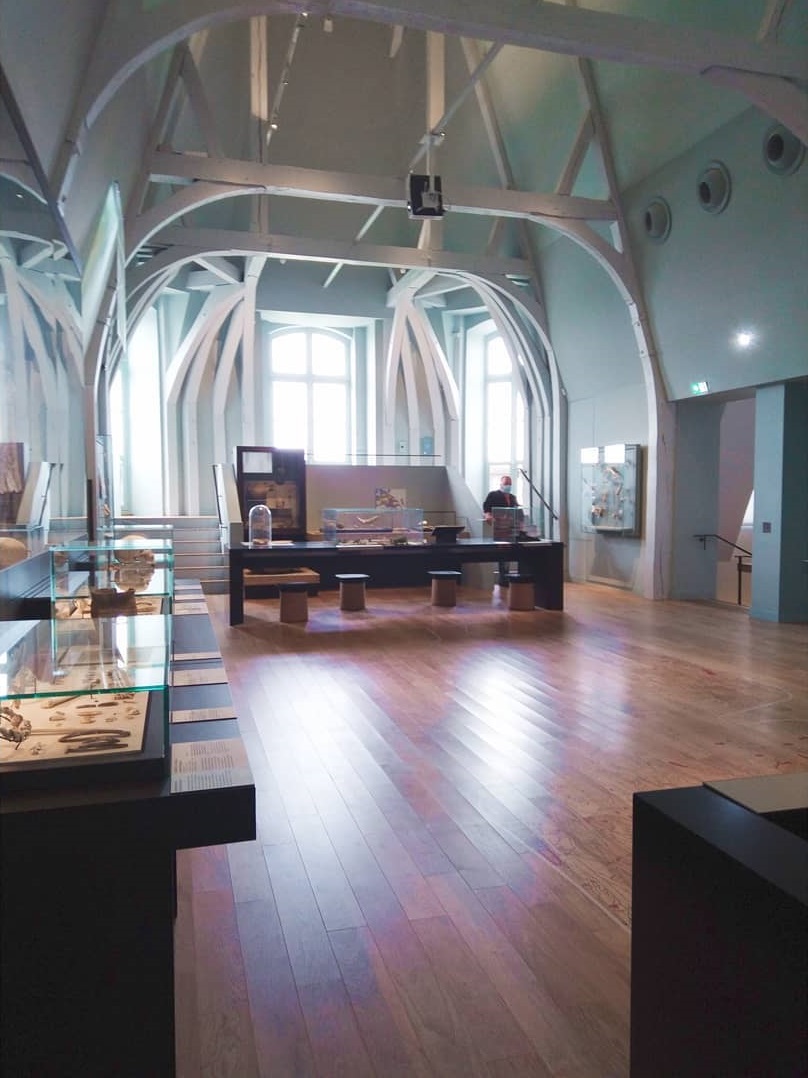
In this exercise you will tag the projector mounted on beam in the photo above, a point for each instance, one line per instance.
(424, 196)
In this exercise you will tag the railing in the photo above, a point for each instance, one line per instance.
(743, 566)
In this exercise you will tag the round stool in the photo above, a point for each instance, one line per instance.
(352, 590)
(521, 595)
(444, 586)
(294, 601)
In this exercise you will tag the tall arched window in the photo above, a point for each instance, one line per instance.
(309, 393)
(504, 416)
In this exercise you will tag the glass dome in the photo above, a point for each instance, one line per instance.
(260, 526)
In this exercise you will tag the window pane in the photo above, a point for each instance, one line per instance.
(498, 421)
(330, 423)
(497, 360)
(289, 415)
(519, 428)
(328, 355)
(288, 354)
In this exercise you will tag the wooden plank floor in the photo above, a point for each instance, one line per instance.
(441, 881)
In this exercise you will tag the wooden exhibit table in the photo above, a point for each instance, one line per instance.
(89, 891)
(402, 566)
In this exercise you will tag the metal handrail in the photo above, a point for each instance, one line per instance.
(743, 567)
(712, 535)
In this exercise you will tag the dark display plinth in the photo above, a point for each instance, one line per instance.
(719, 953)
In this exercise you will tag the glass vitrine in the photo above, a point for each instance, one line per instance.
(373, 527)
(130, 575)
(83, 700)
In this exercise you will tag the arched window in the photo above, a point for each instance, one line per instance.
(504, 417)
(309, 393)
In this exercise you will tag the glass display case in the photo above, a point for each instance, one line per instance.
(611, 485)
(83, 700)
(18, 541)
(509, 525)
(373, 527)
(130, 575)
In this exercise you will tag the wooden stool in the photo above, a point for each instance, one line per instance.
(444, 586)
(352, 590)
(521, 594)
(294, 601)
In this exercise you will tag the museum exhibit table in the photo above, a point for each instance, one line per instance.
(399, 565)
(719, 947)
(89, 886)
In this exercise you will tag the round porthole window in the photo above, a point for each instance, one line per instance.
(714, 187)
(782, 151)
(657, 220)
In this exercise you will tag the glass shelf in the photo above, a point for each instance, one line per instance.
(128, 576)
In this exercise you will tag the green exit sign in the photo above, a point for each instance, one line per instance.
(699, 388)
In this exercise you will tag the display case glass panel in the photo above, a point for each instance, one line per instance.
(611, 486)
(130, 575)
(21, 541)
(373, 527)
(509, 524)
(87, 694)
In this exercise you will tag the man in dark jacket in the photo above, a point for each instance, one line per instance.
(500, 499)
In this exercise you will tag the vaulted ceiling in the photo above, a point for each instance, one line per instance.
(250, 137)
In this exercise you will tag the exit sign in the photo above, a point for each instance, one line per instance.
(699, 388)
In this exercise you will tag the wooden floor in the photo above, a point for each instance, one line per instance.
(441, 881)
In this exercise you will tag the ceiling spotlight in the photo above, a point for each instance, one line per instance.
(744, 339)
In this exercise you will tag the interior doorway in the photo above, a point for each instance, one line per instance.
(736, 503)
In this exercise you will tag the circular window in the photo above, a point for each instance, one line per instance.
(657, 220)
(714, 187)
(783, 152)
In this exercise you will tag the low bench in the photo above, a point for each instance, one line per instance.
(267, 585)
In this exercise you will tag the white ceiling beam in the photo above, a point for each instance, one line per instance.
(158, 128)
(407, 285)
(259, 112)
(781, 99)
(431, 231)
(583, 138)
(131, 36)
(496, 142)
(362, 188)
(200, 106)
(225, 271)
(312, 250)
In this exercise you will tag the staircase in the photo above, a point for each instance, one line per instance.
(197, 549)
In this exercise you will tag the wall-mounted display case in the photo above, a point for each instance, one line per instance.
(373, 527)
(83, 701)
(130, 575)
(611, 487)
